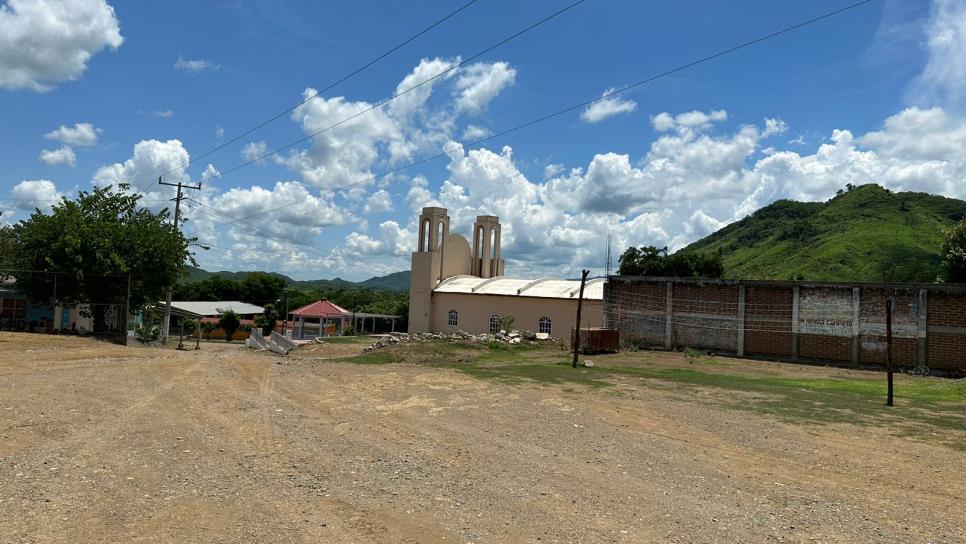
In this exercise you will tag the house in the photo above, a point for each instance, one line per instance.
(458, 287)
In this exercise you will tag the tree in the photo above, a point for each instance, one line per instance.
(149, 329)
(267, 320)
(206, 328)
(229, 323)
(95, 243)
(651, 261)
(953, 250)
(261, 288)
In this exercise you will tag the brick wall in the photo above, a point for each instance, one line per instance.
(928, 321)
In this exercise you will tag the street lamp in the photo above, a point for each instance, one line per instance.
(166, 322)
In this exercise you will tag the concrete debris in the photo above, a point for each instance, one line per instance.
(587, 364)
(512, 338)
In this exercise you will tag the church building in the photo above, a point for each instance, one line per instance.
(458, 287)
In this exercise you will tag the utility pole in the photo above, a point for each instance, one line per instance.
(580, 303)
(166, 322)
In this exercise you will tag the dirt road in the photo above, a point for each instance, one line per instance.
(102, 443)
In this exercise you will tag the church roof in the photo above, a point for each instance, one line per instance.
(539, 288)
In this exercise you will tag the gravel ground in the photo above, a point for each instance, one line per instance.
(102, 443)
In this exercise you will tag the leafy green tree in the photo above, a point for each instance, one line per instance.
(267, 320)
(229, 323)
(149, 329)
(953, 250)
(261, 288)
(653, 261)
(95, 242)
(206, 329)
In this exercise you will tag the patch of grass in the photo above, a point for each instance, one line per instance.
(383, 357)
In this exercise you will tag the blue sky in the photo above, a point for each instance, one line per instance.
(872, 95)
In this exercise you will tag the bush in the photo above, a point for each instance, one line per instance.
(229, 323)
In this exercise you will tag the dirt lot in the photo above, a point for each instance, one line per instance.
(102, 443)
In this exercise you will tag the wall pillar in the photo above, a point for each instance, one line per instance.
(856, 317)
(922, 329)
(668, 323)
(795, 322)
(58, 317)
(741, 321)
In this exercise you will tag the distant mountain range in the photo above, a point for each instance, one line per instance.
(858, 235)
(397, 281)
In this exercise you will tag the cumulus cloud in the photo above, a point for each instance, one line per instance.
(164, 114)
(62, 155)
(406, 105)
(43, 42)
(31, 194)
(393, 240)
(607, 107)
(151, 158)
(81, 134)
(344, 154)
(196, 65)
(379, 201)
(478, 84)
(308, 216)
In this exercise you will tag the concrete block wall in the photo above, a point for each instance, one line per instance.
(835, 322)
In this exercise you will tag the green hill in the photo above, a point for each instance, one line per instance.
(397, 281)
(856, 236)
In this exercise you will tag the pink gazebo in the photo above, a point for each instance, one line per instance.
(326, 318)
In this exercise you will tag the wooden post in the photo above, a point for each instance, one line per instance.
(580, 303)
(668, 316)
(889, 348)
(795, 319)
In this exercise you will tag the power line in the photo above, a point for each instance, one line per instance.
(460, 147)
(400, 93)
(328, 88)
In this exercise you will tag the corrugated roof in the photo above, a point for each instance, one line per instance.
(216, 308)
(540, 288)
(320, 307)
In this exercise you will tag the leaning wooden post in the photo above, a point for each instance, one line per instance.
(889, 348)
(580, 303)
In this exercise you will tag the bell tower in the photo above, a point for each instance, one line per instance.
(486, 260)
(427, 266)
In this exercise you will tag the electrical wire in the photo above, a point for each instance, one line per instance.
(666, 73)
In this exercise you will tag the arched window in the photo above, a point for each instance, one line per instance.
(424, 236)
(545, 325)
(453, 319)
(439, 236)
(494, 324)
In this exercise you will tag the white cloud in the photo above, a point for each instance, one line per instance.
(478, 84)
(344, 154)
(196, 65)
(62, 155)
(39, 193)
(254, 151)
(393, 240)
(943, 80)
(219, 132)
(406, 105)
(773, 127)
(151, 158)
(664, 121)
(307, 217)
(43, 42)
(379, 201)
(81, 134)
(164, 114)
(210, 172)
(607, 107)
(473, 133)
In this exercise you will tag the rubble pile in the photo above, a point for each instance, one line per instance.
(506, 337)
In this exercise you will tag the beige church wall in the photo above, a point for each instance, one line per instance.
(456, 256)
(475, 311)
